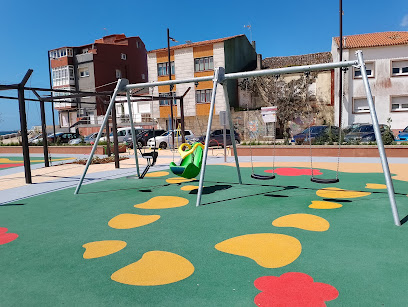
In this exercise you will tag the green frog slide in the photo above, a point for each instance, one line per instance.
(192, 158)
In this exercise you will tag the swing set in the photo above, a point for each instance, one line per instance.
(220, 78)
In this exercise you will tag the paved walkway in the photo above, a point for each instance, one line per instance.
(64, 175)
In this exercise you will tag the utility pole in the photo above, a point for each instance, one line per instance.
(171, 87)
(341, 59)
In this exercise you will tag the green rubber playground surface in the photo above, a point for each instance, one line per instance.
(9, 162)
(256, 243)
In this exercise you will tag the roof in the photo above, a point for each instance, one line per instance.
(379, 39)
(208, 42)
(297, 60)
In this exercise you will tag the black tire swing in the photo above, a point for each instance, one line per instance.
(324, 180)
(257, 176)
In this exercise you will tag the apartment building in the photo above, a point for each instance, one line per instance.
(386, 57)
(198, 59)
(94, 67)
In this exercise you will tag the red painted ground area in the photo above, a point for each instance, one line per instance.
(293, 289)
(289, 171)
(7, 165)
(6, 237)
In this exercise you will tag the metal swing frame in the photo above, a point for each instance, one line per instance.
(219, 78)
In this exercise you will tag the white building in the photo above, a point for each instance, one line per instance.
(386, 57)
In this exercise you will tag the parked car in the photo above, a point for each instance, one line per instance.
(143, 137)
(363, 133)
(62, 137)
(353, 126)
(87, 139)
(35, 140)
(403, 135)
(164, 140)
(122, 134)
(217, 138)
(316, 133)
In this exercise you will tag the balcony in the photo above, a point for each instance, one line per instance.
(64, 105)
(84, 57)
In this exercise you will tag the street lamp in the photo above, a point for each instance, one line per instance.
(171, 85)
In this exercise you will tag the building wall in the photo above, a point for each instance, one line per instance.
(383, 86)
(239, 55)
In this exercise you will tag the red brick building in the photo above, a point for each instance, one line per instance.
(95, 67)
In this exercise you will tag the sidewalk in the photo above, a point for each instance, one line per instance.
(62, 176)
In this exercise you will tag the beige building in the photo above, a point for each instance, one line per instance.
(197, 60)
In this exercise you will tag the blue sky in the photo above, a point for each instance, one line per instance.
(280, 28)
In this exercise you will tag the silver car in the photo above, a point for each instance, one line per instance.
(165, 140)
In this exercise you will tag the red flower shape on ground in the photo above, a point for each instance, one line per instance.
(11, 165)
(289, 171)
(293, 289)
(6, 237)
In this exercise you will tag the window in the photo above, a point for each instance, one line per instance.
(85, 50)
(203, 96)
(118, 74)
(63, 52)
(123, 56)
(369, 70)
(399, 103)
(400, 68)
(165, 102)
(203, 64)
(143, 76)
(163, 69)
(83, 72)
(137, 44)
(62, 75)
(360, 105)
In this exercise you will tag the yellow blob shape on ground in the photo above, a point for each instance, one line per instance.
(154, 269)
(189, 187)
(157, 174)
(127, 220)
(340, 193)
(102, 248)
(178, 180)
(303, 221)
(163, 202)
(376, 186)
(269, 250)
(318, 204)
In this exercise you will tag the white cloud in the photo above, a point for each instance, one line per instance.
(404, 22)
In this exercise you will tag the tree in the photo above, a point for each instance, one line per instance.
(291, 96)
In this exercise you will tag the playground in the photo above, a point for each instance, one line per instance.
(144, 242)
(207, 232)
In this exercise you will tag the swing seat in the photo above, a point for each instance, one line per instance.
(324, 181)
(262, 177)
(190, 166)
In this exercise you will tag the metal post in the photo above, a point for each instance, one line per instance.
(108, 147)
(23, 124)
(115, 137)
(218, 77)
(232, 132)
(380, 144)
(52, 94)
(183, 134)
(43, 129)
(171, 86)
(133, 133)
(341, 59)
(120, 86)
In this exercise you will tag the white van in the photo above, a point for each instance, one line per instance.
(122, 134)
